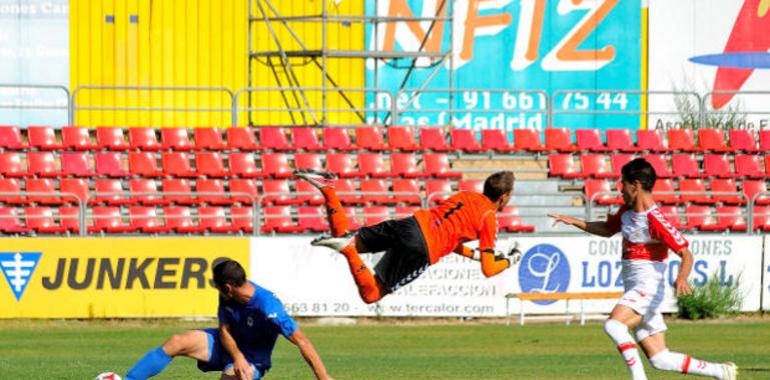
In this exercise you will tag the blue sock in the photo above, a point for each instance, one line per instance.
(151, 364)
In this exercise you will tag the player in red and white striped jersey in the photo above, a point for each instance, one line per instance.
(647, 238)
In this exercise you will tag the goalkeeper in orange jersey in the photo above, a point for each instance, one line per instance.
(412, 244)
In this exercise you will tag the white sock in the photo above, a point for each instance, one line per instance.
(675, 361)
(619, 334)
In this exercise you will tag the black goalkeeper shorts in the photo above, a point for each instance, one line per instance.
(406, 253)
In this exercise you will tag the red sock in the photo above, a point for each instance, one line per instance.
(338, 221)
(368, 287)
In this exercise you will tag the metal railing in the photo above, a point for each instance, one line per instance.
(67, 107)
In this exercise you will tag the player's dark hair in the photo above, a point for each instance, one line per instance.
(229, 272)
(498, 184)
(640, 170)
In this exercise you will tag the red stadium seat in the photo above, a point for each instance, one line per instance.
(405, 165)
(243, 186)
(749, 166)
(659, 162)
(308, 194)
(212, 219)
(341, 164)
(209, 138)
(41, 137)
(718, 165)
(77, 164)
(595, 165)
(527, 139)
(694, 186)
(180, 219)
(276, 165)
(673, 215)
(685, 165)
(69, 218)
(305, 138)
(11, 165)
(753, 187)
(682, 140)
(433, 139)
(713, 139)
(437, 190)
(177, 164)
(274, 138)
(41, 220)
(143, 139)
(44, 164)
(110, 164)
(402, 138)
(148, 186)
(107, 219)
(144, 219)
(697, 217)
(663, 192)
(11, 185)
(77, 138)
(495, 140)
(76, 186)
(143, 164)
(509, 220)
(465, 140)
(764, 140)
(725, 186)
(591, 140)
(437, 165)
(375, 215)
(242, 138)
(618, 161)
(559, 139)
(596, 186)
(372, 165)
(176, 139)
(743, 140)
(728, 218)
(182, 189)
(562, 165)
(10, 223)
(10, 137)
(308, 161)
(243, 165)
(620, 140)
(370, 138)
(650, 140)
(347, 192)
(111, 138)
(767, 164)
(215, 186)
(312, 219)
(401, 212)
(378, 186)
(109, 191)
(242, 219)
(276, 191)
(761, 218)
(406, 191)
(337, 138)
(210, 164)
(278, 219)
(43, 186)
(474, 185)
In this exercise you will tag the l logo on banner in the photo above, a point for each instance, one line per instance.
(18, 268)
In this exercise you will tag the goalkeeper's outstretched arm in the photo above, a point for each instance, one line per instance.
(492, 262)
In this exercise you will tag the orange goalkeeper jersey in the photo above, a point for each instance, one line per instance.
(463, 217)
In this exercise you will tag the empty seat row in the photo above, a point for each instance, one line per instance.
(716, 219)
(673, 140)
(216, 219)
(689, 191)
(594, 165)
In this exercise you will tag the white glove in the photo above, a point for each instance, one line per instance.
(512, 254)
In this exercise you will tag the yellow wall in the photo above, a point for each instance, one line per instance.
(195, 43)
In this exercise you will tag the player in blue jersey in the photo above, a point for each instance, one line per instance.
(250, 320)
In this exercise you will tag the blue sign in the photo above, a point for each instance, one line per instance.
(18, 268)
(544, 269)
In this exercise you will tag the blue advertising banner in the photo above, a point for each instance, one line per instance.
(512, 45)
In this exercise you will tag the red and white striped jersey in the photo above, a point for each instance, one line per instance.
(647, 235)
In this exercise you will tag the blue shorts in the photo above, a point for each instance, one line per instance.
(219, 358)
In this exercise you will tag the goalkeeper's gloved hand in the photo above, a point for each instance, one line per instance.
(513, 254)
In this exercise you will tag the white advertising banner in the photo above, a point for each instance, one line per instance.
(766, 277)
(316, 281)
(706, 46)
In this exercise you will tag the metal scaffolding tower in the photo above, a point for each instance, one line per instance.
(293, 92)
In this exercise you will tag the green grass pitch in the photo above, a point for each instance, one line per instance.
(79, 350)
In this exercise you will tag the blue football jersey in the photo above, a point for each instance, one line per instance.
(256, 325)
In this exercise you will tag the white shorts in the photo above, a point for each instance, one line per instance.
(646, 302)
